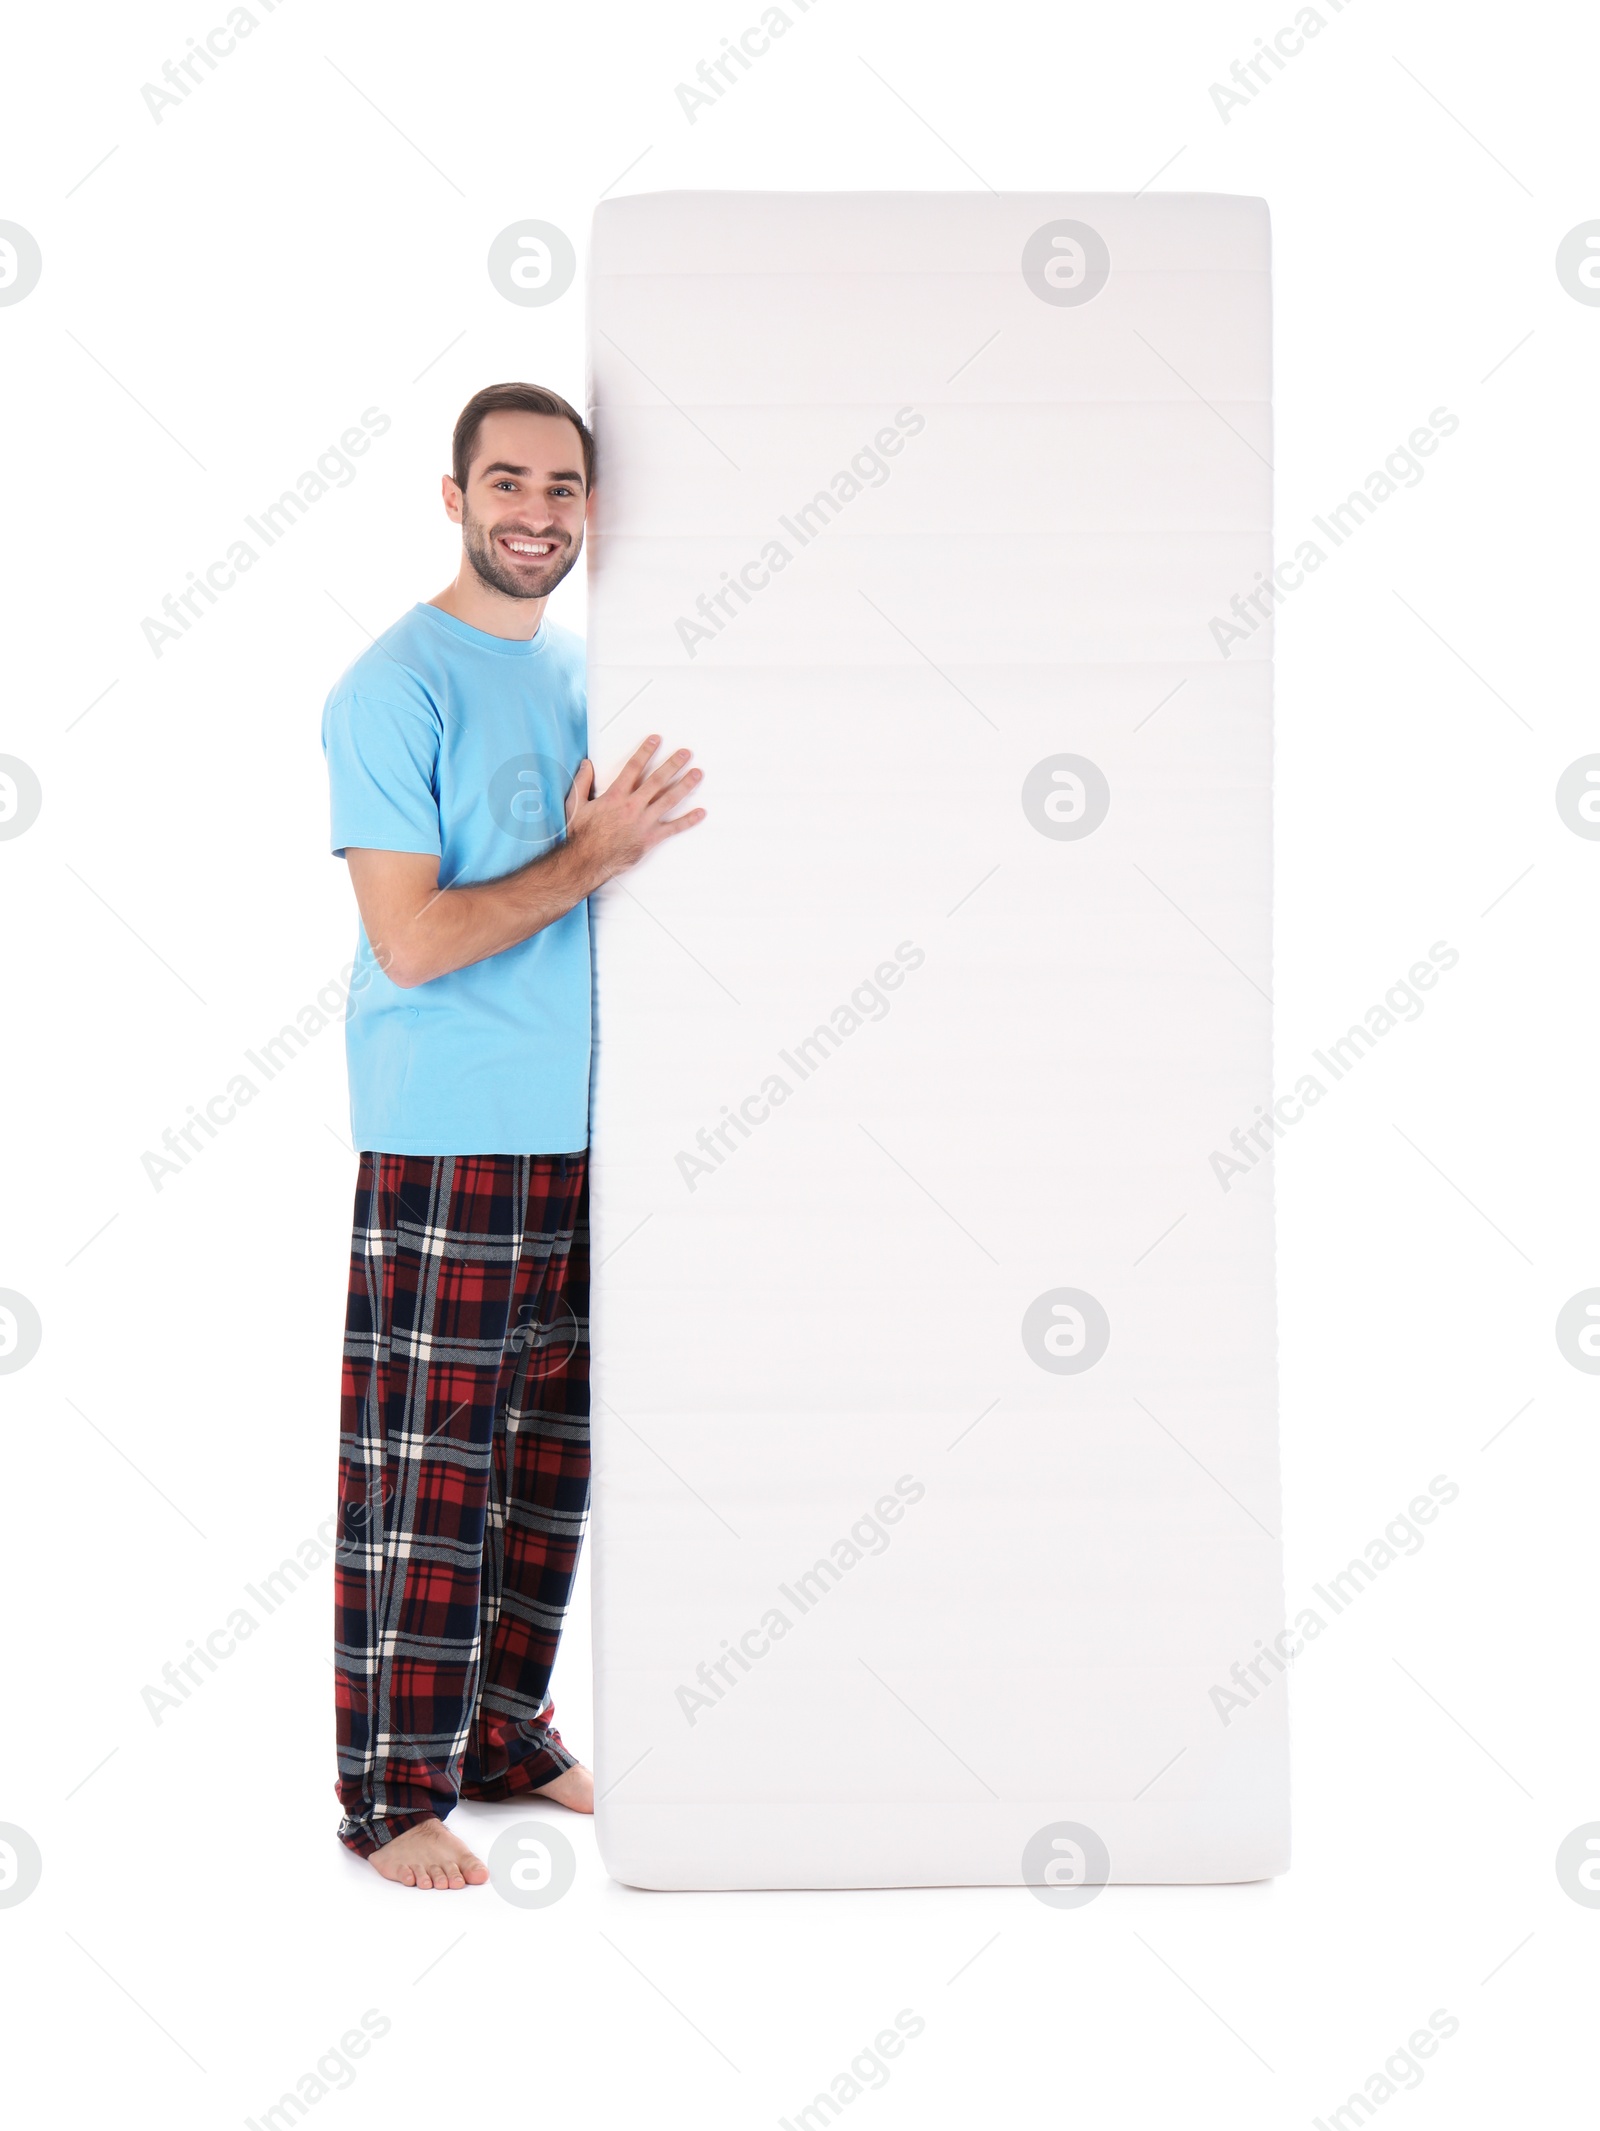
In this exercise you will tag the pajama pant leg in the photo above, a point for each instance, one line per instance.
(463, 1479)
(540, 1502)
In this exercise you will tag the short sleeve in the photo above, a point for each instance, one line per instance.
(383, 772)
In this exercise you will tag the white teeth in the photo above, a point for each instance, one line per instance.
(529, 547)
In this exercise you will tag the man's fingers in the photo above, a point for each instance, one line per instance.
(679, 822)
(666, 773)
(660, 796)
(580, 789)
(628, 777)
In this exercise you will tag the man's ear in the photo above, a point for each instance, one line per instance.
(453, 498)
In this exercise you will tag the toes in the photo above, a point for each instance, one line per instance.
(450, 1865)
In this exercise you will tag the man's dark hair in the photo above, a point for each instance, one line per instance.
(513, 399)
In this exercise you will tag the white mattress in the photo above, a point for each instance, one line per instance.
(832, 1305)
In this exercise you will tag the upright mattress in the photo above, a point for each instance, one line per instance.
(936, 1500)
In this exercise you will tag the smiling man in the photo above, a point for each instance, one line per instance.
(464, 805)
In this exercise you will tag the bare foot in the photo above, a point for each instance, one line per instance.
(573, 1788)
(428, 1855)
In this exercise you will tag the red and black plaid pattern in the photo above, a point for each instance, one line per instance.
(463, 1479)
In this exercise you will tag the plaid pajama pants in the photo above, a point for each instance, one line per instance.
(463, 1480)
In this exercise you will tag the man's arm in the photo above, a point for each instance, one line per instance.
(420, 930)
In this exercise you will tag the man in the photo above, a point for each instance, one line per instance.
(464, 806)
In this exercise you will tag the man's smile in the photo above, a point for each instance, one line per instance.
(527, 547)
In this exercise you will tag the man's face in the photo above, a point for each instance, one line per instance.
(521, 512)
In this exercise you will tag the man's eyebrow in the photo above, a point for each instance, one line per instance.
(503, 466)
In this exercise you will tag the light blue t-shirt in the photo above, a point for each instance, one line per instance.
(443, 740)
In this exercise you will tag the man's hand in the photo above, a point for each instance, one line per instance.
(611, 830)
(420, 929)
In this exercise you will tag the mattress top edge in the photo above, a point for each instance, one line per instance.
(1116, 199)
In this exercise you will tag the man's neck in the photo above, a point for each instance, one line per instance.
(480, 606)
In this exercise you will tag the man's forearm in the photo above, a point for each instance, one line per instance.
(421, 931)
(459, 926)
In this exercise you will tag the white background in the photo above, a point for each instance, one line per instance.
(223, 293)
